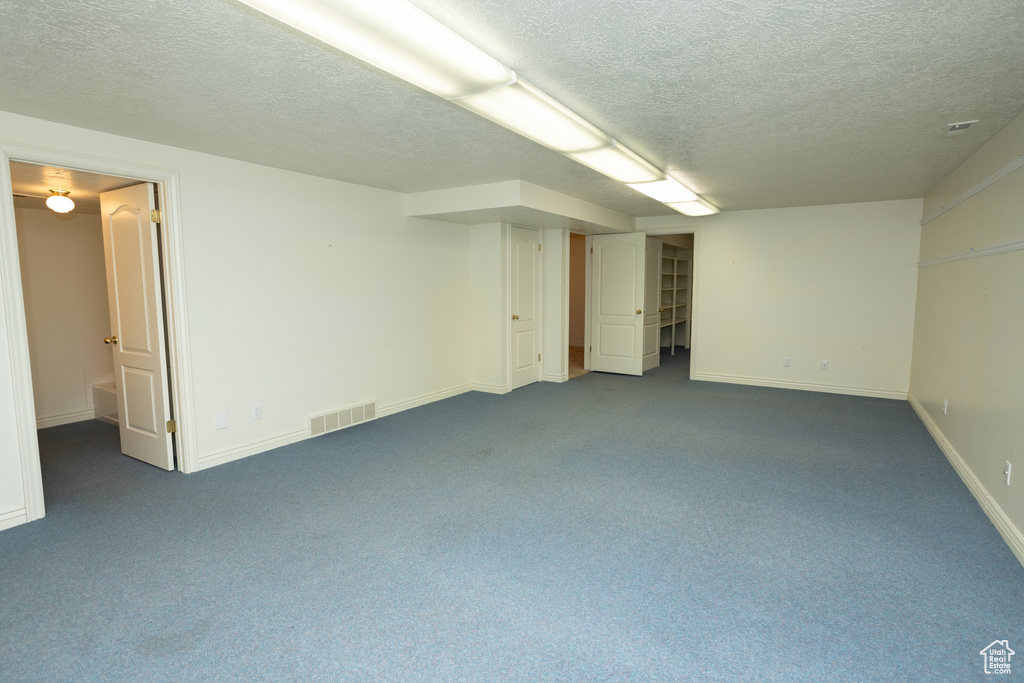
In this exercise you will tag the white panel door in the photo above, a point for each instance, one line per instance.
(652, 296)
(136, 319)
(617, 300)
(525, 288)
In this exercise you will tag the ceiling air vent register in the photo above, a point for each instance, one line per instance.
(958, 128)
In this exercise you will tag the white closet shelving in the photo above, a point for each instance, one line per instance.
(676, 296)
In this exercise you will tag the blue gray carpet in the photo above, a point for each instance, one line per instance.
(608, 529)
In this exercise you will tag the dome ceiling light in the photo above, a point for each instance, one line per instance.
(59, 201)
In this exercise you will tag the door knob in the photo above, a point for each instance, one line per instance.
(515, 317)
(638, 311)
(110, 340)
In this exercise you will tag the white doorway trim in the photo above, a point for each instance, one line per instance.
(587, 313)
(555, 298)
(695, 345)
(167, 184)
(694, 312)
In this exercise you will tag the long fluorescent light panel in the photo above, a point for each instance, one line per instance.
(698, 207)
(665, 191)
(405, 41)
(619, 163)
(531, 113)
(397, 37)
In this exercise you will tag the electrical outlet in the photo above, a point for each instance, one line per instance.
(785, 362)
(220, 420)
(824, 365)
(257, 412)
(945, 406)
(1007, 472)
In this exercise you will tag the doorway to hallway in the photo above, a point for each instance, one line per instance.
(577, 304)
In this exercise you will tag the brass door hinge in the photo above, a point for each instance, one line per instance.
(538, 247)
(155, 216)
(538, 356)
(172, 426)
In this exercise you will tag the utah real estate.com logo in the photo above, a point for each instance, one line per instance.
(997, 657)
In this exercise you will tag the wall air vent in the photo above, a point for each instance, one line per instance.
(958, 128)
(340, 419)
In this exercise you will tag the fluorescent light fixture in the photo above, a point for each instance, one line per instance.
(699, 207)
(619, 163)
(59, 201)
(397, 37)
(400, 38)
(531, 113)
(665, 191)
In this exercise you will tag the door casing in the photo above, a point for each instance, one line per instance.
(179, 359)
(694, 312)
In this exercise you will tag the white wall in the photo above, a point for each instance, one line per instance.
(65, 294)
(555, 305)
(488, 307)
(969, 331)
(815, 283)
(303, 295)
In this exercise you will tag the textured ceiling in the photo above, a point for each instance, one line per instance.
(755, 104)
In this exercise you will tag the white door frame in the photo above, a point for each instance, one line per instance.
(695, 280)
(694, 311)
(167, 184)
(694, 306)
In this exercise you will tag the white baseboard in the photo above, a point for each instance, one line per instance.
(65, 418)
(13, 517)
(492, 388)
(802, 386)
(555, 378)
(238, 452)
(423, 400)
(1007, 529)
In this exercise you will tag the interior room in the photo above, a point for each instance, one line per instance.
(566, 347)
(64, 290)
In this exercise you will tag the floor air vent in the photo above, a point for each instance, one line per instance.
(340, 419)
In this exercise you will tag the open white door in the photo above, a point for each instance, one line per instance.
(136, 319)
(525, 288)
(617, 300)
(652, 296)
